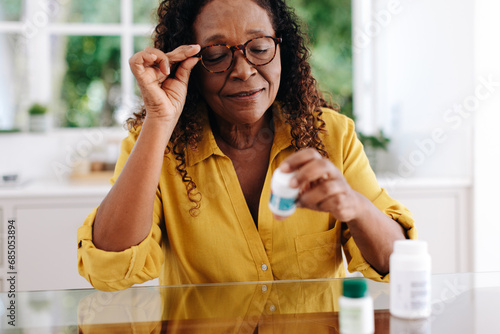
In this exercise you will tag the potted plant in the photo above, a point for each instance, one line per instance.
(373, 144)
(38, 118)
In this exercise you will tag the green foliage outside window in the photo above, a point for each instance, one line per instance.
(91, 85)
(93, 11)
(328, 24)
(10, 10)
(144, 11)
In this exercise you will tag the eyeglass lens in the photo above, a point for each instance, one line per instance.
(259, 51)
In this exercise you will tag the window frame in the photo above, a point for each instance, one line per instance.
(36, 27)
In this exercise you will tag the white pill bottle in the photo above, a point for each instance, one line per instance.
(283, 197)
(410, 280)
(356, 314)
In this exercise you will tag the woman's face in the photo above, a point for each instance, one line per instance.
(242, 94)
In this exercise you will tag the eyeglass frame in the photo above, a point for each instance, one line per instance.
(241, 47)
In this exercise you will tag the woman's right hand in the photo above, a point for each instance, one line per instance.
(164, 95)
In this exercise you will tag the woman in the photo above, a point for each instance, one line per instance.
(228, 97)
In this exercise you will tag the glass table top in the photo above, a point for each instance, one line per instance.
(461, 303)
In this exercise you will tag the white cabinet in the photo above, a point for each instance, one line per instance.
(47, 216)
(46, 256)
(443, 217)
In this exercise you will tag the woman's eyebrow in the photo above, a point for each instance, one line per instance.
(212, 38)
(218, 37)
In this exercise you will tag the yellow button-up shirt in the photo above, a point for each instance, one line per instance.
(222, 243)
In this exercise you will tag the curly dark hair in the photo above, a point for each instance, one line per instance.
(298, 94)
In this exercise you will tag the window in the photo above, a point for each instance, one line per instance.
(328, 24)
(71, 56)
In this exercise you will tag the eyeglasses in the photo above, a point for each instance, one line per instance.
(218, 58)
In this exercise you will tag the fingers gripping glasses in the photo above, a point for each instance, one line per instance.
(218, 58)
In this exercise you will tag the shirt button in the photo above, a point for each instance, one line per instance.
(272, 308)
(264, 267)
(264, 288)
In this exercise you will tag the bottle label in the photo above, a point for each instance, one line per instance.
(282, 203)
(356, 320)
(410, 293)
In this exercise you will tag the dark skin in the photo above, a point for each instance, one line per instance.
(251, 179)
(250, 160)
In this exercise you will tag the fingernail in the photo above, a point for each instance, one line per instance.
(294, 183)
(284, 167)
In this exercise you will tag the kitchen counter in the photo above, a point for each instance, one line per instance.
(95, 184)
(98, 184)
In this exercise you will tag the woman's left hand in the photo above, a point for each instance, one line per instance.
(322, 185)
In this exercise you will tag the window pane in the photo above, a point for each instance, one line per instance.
(88, 81)
(141, 42)
(145, 11)
(329, 27)
(94, 11)
(14, 77)
(10, 10)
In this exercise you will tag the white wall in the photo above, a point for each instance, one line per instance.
(434, 87)
(435, 90)
(487, 137)
(423, 69)
(53, 155)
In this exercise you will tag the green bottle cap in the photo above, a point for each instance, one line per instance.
(355, 288)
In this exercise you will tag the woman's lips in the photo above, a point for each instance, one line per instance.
(247, 95)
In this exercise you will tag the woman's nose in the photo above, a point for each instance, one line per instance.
(242, 69)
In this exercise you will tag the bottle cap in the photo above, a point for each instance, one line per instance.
(410, 246)
(282, 178)
(280, 182)
(355, 288)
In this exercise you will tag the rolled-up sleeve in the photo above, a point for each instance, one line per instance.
(395, 210)
(109, 271)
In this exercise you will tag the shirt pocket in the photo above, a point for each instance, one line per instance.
(319, 255)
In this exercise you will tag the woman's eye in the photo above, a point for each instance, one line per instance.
(259, 50)
(214, 58)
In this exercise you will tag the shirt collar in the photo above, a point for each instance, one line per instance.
(207, 146)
